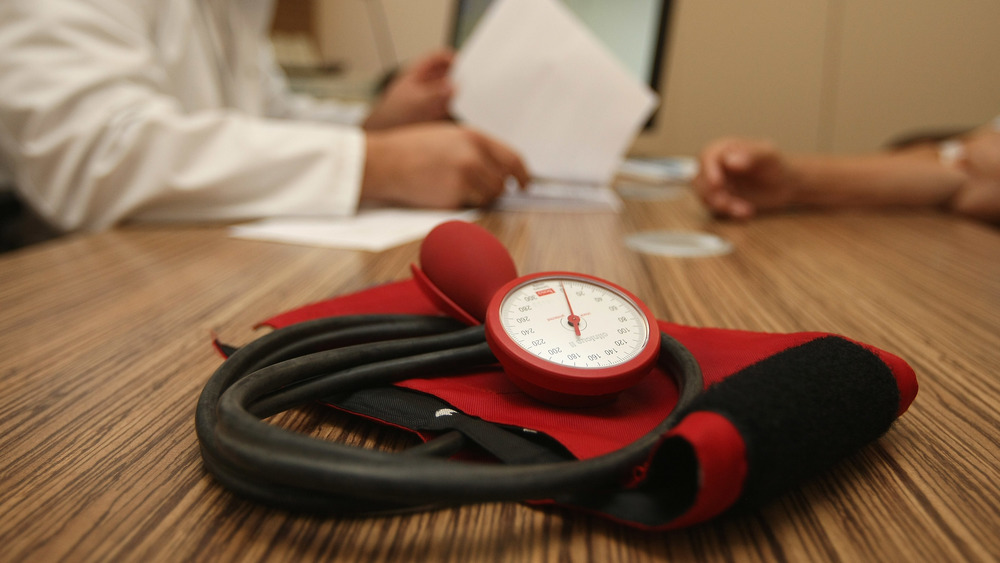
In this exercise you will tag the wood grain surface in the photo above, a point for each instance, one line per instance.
(105, 346)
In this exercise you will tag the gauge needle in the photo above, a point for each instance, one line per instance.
(573, 319)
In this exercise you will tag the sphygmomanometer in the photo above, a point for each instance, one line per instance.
(555, 387)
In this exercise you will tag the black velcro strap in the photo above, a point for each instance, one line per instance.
(425, 413)
(798, 412)
(802, 410)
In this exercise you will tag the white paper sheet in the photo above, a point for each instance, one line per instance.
(373, 230)
(534, 77)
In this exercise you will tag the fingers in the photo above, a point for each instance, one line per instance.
(433, 66)
(505, 159)
(722, 158)
(738, 158)
(723, 202)
(722, 165)
(710, 168)
(729, 205)
(484, 184)
(710, 182)
(502, 161)
(497, 163)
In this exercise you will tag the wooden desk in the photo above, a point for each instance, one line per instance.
(104, 348)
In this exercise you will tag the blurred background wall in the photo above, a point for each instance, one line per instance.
(813, 75)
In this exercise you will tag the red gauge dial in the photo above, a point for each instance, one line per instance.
(571, 339)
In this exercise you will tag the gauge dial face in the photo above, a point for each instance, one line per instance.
(575, 322)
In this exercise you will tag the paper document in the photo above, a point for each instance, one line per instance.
(373, 230)
(532, 75)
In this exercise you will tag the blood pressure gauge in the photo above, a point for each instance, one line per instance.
(571, 339)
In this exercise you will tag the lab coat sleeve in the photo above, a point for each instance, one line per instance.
(94, 138)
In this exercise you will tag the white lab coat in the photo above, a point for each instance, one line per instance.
(163, 110)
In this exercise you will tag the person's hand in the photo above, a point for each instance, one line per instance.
(438, 165)
(420, 93)
(979, 196)
(740, 177)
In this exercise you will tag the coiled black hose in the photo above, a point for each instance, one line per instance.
(280, 467)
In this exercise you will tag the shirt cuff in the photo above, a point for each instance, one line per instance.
(350, 169)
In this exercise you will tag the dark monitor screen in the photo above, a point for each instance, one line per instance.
(633, 30)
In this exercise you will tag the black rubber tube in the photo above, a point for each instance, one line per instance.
(281, 467)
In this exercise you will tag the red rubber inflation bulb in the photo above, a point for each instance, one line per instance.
(465, 265)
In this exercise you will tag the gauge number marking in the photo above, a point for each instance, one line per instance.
(613, 328)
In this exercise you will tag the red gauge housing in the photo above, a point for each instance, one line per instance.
(558, 383)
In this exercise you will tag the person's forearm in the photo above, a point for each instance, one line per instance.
(909, 178)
